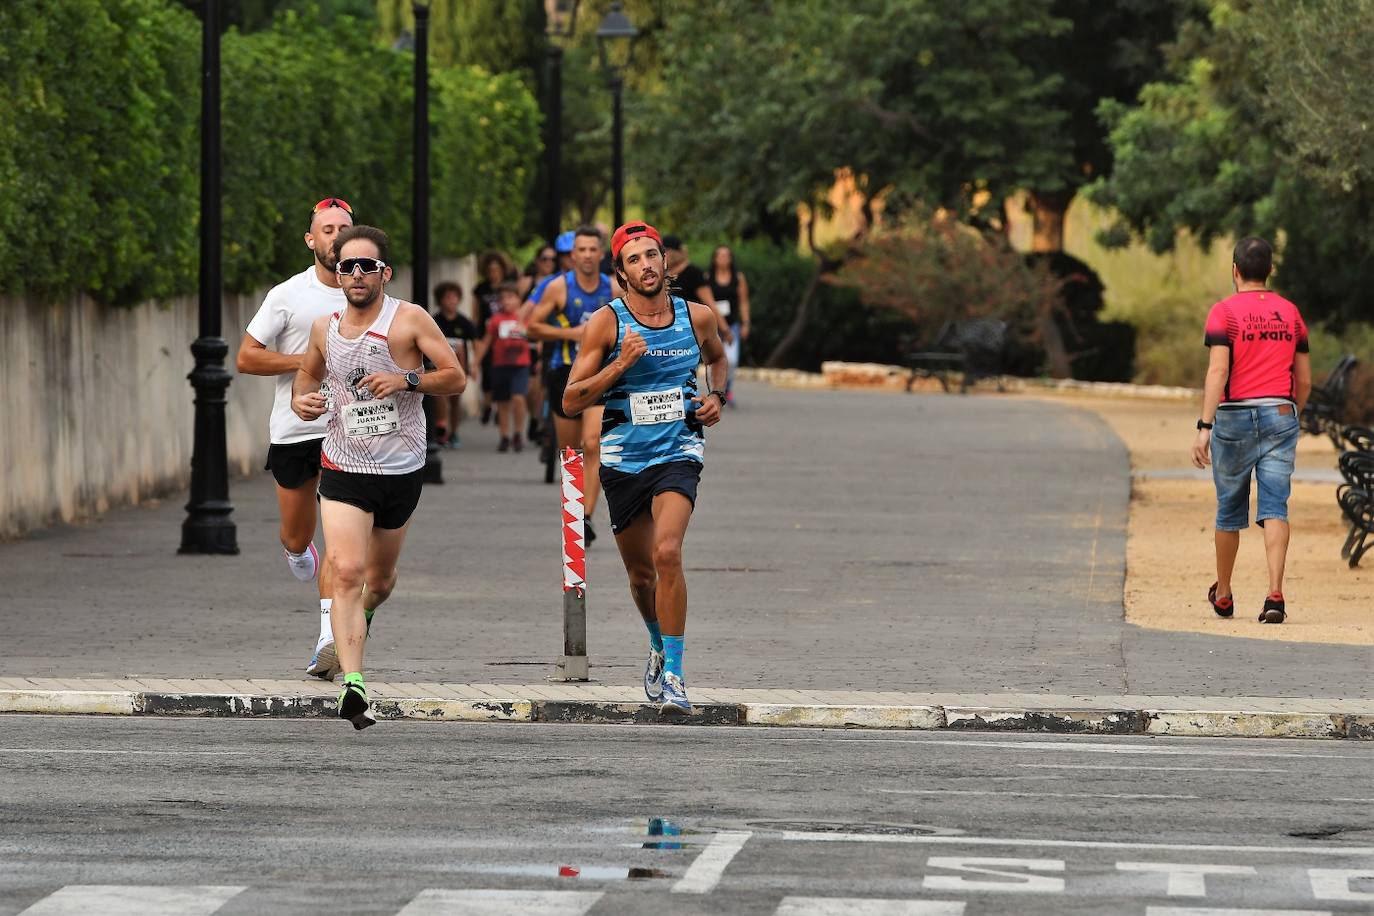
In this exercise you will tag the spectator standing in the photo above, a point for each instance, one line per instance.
(689, 281)
(731, 291)
(508, 347)
(1259, 375)
(460, 333)
(495, 267)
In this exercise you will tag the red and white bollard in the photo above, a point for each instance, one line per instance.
(573, 666)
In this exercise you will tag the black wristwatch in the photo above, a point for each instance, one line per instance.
(412, 380)
(1201, 425)
(718, 393)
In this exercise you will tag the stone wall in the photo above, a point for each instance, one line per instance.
(98, 411)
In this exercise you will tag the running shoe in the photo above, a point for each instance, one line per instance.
(486, 415)
(588, 533)
(324, 664)
(653, 676)
(504, 446)
(354, 707)
(1223, 606)
(518, 443)
(306, 565)
(1274, 611)
(674, 698)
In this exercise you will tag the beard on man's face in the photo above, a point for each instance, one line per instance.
(326, 257)
(360, 296)
(649, 290)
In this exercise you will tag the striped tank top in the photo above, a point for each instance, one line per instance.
(578, 307)
(367, 435)
(649, 416)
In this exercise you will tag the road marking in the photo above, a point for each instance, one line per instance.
(706, 871)
(819, 837)
(445, 902)
(1020, 883)
(133, 900)
(1009, 792)
(1212, 911)
(85, 752)
(1185, 880)
(1334, 883)
(1074, 747)
(867, 906)
(1137, 769)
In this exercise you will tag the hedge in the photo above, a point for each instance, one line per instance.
(99, 147)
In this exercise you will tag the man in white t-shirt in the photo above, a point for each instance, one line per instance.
(273, 345)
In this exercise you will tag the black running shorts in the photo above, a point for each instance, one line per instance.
(630, 495)
(556, 382)
(295, 464)
(391, 498)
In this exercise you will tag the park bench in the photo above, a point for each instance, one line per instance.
(975, 347)
(1360, 438)
(1326, 405)
(1356, 499)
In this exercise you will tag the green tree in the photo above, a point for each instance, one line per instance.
(1225, 148)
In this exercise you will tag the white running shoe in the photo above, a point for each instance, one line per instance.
(306, 566)
(324, 664)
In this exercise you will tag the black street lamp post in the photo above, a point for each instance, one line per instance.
(561, 23)
(434, 464)
(208, 528)
(616, 31)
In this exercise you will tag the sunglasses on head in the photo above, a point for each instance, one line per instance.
(367, 265)
(333, 202)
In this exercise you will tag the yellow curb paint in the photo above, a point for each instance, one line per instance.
(63, 702)
(819, 716)
(1240, 724)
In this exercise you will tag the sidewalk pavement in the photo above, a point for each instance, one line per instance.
(844, 541)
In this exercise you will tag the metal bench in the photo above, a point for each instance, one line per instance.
(975, 347)
(1326, 406)
(1356, 499)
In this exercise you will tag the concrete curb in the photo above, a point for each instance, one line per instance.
(1106, 718)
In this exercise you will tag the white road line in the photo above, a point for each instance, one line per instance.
(116, 753)
(801, 835)
(445, 902)
(706, 871)
(1082, 748)
(1122, 796)
(1215, 911)
(132, 900)
(1184, 879)
(1137, 769)
(867, 906)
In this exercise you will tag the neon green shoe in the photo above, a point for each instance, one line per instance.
(353, 704)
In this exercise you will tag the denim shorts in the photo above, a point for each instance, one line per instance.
(1258, 440)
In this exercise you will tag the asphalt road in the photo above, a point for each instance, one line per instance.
(150, 816)
(843, 540)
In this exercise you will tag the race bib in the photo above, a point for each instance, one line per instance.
(509, 330)
(724, 306)
(371, 418)
(650, 407)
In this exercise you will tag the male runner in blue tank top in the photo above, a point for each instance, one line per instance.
(562, 307)
(639, 360)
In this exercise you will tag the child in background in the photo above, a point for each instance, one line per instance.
(509, 346)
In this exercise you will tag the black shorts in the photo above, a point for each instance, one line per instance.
(630, 495)
(391, 498)
(294, 464)
(556, 382)
(509, 381)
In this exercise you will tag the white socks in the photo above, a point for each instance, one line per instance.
(326, 629)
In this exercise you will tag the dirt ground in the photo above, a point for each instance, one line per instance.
(1169, 556)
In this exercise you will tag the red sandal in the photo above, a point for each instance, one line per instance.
(1224, 607)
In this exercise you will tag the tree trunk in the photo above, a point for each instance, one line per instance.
(1048, 211)
(799, 321)
(1055, 355)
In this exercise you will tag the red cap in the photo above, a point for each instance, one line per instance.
(632, 231)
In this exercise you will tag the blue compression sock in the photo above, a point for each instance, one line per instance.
(672, 655)
(655, 635)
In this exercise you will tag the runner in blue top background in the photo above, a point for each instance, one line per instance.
(562, 306)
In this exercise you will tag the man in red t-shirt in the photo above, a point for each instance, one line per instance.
(1258, 378)
(509, 346)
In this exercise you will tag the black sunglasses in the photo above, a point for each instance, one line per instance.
(368, 266)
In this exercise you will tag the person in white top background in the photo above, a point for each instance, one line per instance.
(272, 345)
